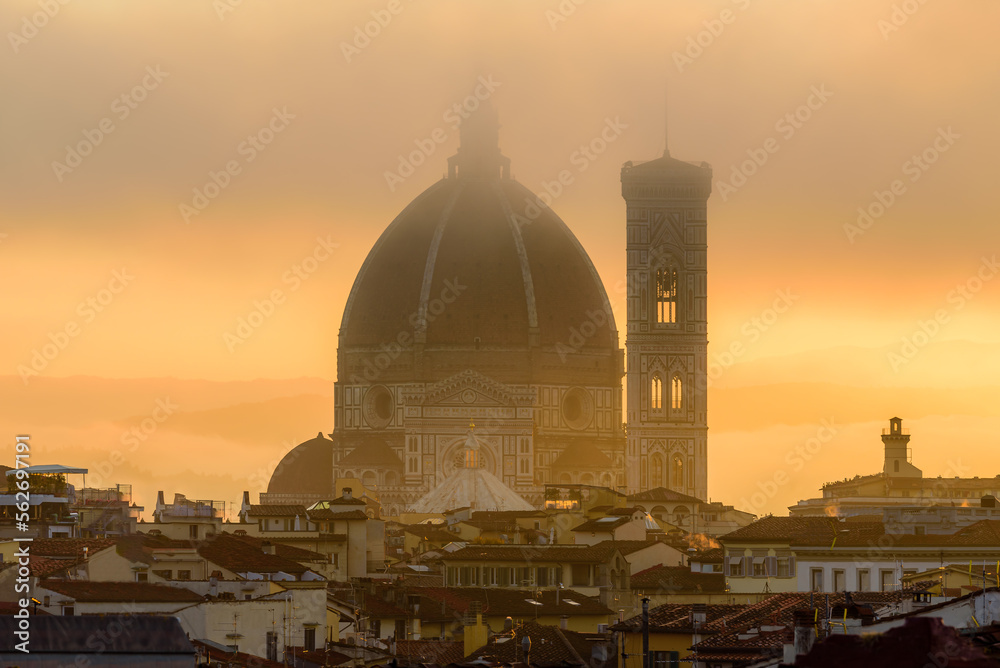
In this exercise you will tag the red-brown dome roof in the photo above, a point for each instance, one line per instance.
(474, 264)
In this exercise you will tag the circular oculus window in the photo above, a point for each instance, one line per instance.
(377, 407)
(577, 408)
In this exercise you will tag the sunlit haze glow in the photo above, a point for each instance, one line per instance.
(899, 315)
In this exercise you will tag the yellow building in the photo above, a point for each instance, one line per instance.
(957, 579)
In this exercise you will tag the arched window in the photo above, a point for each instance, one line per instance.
(666, 295)
(656, 394)
(471, 458)
(368, 479)
(676, 393)
(390, 478)
(657, 467)
(678, 472)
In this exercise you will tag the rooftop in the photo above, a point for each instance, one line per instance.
(121, 592)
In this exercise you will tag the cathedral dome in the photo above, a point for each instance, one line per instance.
(477, 264)
(305, 471)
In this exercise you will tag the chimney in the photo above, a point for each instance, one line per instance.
(526, 648)
(563, 623)
(476, 634)
(788, 647)
(267, 547)
(213, 586)
(699, 614)
(805, 632)
(159, 508)
(348, 494)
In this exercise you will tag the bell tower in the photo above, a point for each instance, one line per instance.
(667, 337)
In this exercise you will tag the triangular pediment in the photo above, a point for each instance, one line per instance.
(469, 387)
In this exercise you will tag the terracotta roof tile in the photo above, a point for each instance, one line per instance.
(43, 567)
(677, 579)
(449, 603)
(119, 592)
(582, 455)
(239, 555)
(373, 452)
(773, 527)
(676, 617)
(662, 494)
(274, 510)
(603, 524)
(69, 547)
(441, 652)
(550, 646)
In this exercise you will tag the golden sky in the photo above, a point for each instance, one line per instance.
(116, 112)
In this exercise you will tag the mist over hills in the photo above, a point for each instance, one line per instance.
(218, 438)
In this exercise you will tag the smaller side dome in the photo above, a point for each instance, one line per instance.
(306, 469)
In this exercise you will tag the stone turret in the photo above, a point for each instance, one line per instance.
(897, 451)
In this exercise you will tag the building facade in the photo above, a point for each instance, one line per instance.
(478, 305)
(667, 332)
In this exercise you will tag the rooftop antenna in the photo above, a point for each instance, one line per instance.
(666, 120)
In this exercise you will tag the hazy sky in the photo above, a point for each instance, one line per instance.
(116, 112)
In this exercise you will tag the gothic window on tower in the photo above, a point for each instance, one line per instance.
(678, 477)
(676, 393)
(657, 471)
(666, 296)
(656, 394)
